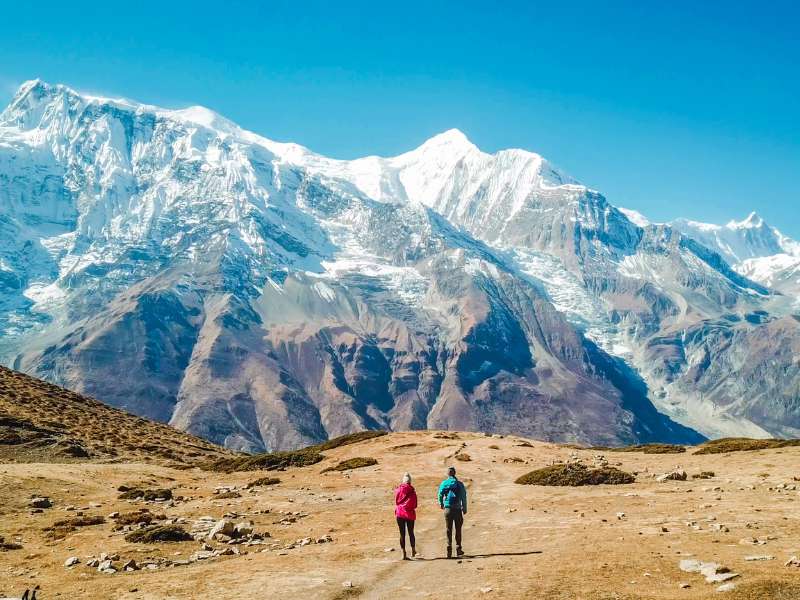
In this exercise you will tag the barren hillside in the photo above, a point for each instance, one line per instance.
(40, 422)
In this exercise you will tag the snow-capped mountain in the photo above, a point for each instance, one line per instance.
(753, 248)
(265, 296)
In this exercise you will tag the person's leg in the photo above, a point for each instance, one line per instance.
(411, 538)
(458, 518)
(401, 524)
(448, 519)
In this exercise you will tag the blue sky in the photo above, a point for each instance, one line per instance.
(672, 108)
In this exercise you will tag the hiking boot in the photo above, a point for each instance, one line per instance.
(413, 552)
(449, 552)
(459, 551)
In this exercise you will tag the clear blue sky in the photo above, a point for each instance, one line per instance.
(679, 108)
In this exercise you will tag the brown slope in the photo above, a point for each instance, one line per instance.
(41, 422)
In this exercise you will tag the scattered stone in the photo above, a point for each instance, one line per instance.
(726, 587)
(243, 530)
(222, 527)
(130, 566)
(72, 561)
(759, 557)
(792, 562)
(672, 476)
(41, 502)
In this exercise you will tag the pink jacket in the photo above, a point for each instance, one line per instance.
(405, 499)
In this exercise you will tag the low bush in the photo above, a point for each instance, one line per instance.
(350, 438)
(146, 494)
(80, 521)
(703, 475)
(352, 463)
(227, 495)
(304, 457)
(158, 533)
(263, 481)
(575, 474)
(270, 461)
(463, 457)
(724, 445)
(136, 517)
(650, 449)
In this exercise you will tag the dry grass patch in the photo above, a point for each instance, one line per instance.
(63, 527)
(304, 457)
(704, 475)
(463, 457)
(650, 449)
(270, 461)
(575, 474)
(159, 533)
(137, 517)
(350, 438)
(724, 445)
(145, 494)
(263, 481)
(227, 495)
(352, 463)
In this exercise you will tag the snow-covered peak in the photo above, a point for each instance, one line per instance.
(753, 221)
(635, 217)
(452, 140)
(738, 241)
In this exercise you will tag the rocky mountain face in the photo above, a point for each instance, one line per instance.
(263, 296)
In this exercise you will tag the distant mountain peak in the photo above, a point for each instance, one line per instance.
(753, 221)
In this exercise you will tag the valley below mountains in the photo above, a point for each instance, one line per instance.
(265, 297)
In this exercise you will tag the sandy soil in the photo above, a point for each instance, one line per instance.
(521, 541)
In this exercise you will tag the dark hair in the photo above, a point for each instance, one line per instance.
(451, 471)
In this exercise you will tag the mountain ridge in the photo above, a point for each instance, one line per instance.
(264, 296)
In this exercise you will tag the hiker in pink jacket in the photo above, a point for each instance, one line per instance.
(405, 500)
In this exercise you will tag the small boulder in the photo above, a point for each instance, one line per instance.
(222, 527)
(72, 561)
(41, 502)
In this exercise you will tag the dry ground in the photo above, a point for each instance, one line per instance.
(521, 541)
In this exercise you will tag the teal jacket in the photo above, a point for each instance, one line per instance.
(460, 500)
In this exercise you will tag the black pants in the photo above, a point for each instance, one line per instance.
(402, 524)
(453, 516)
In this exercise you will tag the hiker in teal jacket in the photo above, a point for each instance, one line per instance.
(452, 499)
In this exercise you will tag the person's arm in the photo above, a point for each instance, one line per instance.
(440, 494)
(413, 500)
(463, 498)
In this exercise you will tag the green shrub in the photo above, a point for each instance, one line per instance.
(575, 474)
